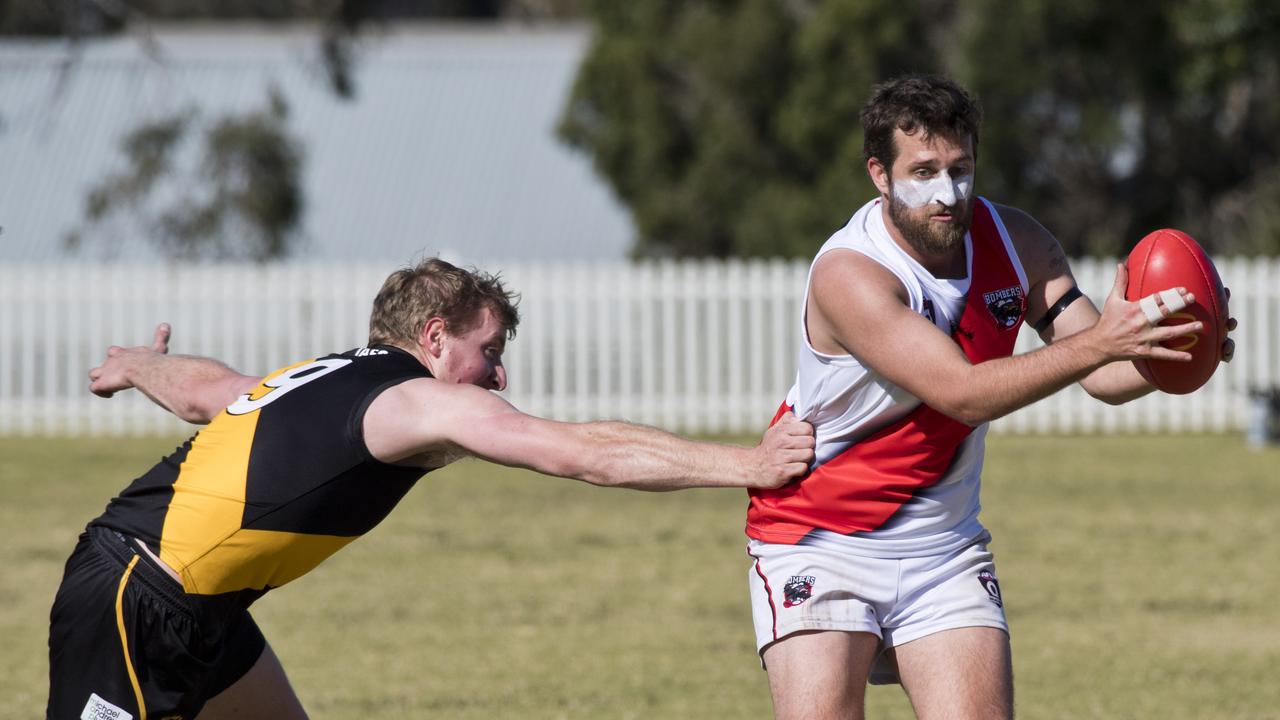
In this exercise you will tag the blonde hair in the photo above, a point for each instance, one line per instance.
(434, 288)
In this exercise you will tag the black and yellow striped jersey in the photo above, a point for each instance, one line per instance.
(276, 483)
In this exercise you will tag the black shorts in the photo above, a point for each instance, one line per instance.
(123, 637)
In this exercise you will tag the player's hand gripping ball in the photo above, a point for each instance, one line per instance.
(1168, 259)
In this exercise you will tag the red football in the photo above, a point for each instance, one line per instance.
(1168, 259)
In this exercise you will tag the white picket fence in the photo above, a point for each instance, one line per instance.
(691, 346)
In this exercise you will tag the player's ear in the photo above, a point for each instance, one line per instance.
(432, 337)
(879, 175)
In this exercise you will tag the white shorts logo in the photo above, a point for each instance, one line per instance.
(99, 709)
(798, 589)
(988, 580)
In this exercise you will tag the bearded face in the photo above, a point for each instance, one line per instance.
(929, 190)
(933, 229)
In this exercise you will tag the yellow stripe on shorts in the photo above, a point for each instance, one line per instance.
(124, 640)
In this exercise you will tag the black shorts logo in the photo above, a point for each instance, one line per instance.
(992, 586)
(1006, 305)
(798, 589)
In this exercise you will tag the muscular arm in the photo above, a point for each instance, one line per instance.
(857, 305)
(1049, 277)
(1114, 383)
(431, 417)
(195, 389)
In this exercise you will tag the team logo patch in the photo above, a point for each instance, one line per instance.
(992, 586)
(798, 589)
(99, 709)
(1006, 305)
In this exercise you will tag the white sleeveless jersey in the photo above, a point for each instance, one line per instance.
(847, 401)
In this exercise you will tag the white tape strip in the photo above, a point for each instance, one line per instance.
(1173, 300)
(1151, 309)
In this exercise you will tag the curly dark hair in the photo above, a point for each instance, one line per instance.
(913, 102)
(434, 288)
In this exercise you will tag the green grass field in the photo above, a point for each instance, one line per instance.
(1141, 577)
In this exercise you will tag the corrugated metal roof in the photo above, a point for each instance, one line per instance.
(448, 146)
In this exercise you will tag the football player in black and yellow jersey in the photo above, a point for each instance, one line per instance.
(151, 619)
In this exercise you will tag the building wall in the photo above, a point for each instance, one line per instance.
(448, 146)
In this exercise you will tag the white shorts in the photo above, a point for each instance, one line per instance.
(805, 587)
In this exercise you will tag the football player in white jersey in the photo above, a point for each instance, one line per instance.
(876, 561)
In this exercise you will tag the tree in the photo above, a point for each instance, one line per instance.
(730, 127)
(244, 197)
(243, 202)
(1121, 119)
(716, 121)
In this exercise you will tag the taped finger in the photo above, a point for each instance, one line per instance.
(1151, 309)
(1173, 300)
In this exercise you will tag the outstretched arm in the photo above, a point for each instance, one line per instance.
(428, 417)
(195, 389)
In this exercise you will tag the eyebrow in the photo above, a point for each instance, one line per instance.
(931, 162)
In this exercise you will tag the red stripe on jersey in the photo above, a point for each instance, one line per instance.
(861, 488)
(783, 409)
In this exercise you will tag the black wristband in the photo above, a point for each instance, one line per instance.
(1067, 298)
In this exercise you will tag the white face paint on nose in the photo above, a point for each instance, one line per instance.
(942, 189)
